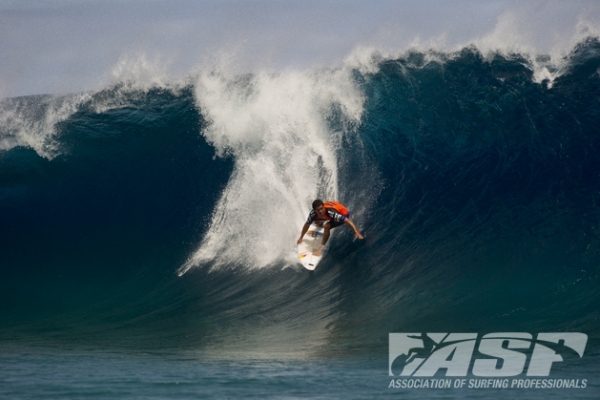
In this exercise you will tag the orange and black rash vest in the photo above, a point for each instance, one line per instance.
(334, 211)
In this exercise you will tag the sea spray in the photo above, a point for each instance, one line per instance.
(275, 127)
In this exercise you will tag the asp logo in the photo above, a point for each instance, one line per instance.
(498, 354)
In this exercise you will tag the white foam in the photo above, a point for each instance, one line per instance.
(275, 128)
(31, 121)
(541, 33)
(530, 31)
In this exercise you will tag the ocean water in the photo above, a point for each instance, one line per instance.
(148, 232)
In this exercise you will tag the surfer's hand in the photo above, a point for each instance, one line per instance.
(299, 241)
(359, 236)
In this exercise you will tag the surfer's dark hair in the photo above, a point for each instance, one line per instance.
(317, 203)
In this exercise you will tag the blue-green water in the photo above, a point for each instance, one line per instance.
(33, 372)
(98, 374)
(148, 234)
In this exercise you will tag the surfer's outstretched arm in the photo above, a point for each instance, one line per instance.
(351, 224)
(304, 230)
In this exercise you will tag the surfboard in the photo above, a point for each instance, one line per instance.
(310, 242)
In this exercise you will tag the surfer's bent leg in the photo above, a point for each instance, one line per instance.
(334, 224)
(328, 226)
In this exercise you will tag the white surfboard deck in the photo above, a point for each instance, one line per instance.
(310, 242)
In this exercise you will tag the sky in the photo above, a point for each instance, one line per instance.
(66, 46)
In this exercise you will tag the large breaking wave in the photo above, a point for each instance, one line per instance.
(166, 215)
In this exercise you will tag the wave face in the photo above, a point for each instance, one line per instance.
(167, 217)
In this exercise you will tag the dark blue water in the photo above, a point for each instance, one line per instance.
(475, 186)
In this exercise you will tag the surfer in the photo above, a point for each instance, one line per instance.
(329, 217)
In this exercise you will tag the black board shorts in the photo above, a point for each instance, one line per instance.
(332, 224)
(335, 224)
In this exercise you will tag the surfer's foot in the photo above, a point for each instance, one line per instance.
(318, 252)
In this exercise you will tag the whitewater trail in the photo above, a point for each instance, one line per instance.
(277, 129)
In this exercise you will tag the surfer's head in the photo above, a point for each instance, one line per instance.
(319, 207)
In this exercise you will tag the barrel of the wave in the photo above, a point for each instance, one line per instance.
(323, 217)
